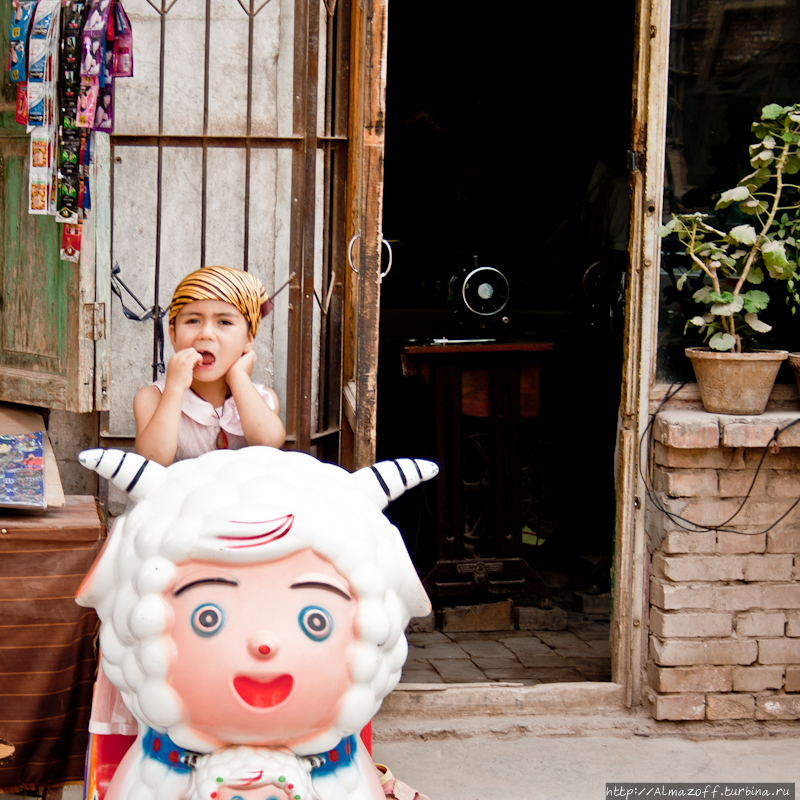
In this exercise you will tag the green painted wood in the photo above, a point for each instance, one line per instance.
(39, 324)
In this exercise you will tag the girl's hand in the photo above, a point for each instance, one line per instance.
(180, 369)
(243, 366)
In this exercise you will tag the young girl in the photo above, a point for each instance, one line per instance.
(208, 400)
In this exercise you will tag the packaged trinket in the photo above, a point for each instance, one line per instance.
(87, 101)
(20, 25)
(71, 242)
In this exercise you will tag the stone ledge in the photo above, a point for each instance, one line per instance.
(444, 701)
(690, 429)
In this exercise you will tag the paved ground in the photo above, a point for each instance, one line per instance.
(581, 653)
(578, 767)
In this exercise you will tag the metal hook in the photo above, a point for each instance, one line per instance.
(356, 235)
(389, 248)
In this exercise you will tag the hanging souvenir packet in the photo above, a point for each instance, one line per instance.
(71, 242)
(21, 111)
(94, 37)
(20, 25)
(104, 115)
(87, 101)
(123, 43)
(42, 57)
(41, 175)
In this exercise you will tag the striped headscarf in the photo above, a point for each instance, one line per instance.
(241, 289)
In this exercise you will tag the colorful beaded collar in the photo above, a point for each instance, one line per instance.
(160, 747)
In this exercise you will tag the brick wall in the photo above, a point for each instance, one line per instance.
(724, 608)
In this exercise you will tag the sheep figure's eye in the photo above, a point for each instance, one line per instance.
(207, 619)
(316, 623)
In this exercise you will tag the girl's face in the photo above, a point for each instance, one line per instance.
(217, 330)
(261, 651)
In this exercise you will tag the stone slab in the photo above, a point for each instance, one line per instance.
(483, 617)
(436, 650)
(457, 670)
(486, 649)
(422, 624)
(541, 619)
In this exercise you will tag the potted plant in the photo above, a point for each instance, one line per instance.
(733, 374)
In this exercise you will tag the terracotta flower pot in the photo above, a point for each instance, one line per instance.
(735, 383)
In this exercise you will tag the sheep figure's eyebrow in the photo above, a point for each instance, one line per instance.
(226, 581)
(321, 585)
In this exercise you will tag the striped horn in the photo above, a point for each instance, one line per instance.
(132, 473)
(387, 480)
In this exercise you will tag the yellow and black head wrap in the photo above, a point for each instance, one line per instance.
(241, 289)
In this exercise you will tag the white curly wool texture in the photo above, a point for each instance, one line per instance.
(186, 506)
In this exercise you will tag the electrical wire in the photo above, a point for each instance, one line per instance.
(696, 527)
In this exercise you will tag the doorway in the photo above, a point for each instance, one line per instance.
(505, 151)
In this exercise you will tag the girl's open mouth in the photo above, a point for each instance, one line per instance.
(208, 359)
(263, 695)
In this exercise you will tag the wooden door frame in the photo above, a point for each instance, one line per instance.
(629, 643)
(364, 202)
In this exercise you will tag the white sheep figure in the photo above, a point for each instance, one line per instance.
(253, 605)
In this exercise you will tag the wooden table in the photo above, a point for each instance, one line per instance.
(499, 382)
(47, 654)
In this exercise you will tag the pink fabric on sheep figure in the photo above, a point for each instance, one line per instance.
(253, 607)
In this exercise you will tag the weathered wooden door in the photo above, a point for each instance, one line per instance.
(364, 232)
(646, 161)
(48, 319)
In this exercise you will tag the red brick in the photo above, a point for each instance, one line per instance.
(687, 624)
(796, 573)
(787, 458)
(781, 596)
(778, 706)
(676, 596)
(793, 623)
(784, 485)
(686, 482)
(793, 679)
(689, 542)
(779, 651)
(683, 653)
(757, 515)
(760, 624)
(703, 568)
(714, 458)
(768, 568)
(710, 511)
(790, 437)
(690, 679)
(728, 543)
(678, 706)
(757, 679)
(730, 706)
(783, 541)
(687, 430)
(756, 432)
(739, 597)
(737, 483)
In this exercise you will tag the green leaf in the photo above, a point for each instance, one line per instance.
(756, 275)
(666, 230)
(792, 164)
(728, 309)
(743, 234)
(722, 342)
(774, 255)
(681, 281)
(703, 295)
(769, 142)
(755, 300)
(756, 324)
(736, 195)
(772, 111)
(721, 297)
